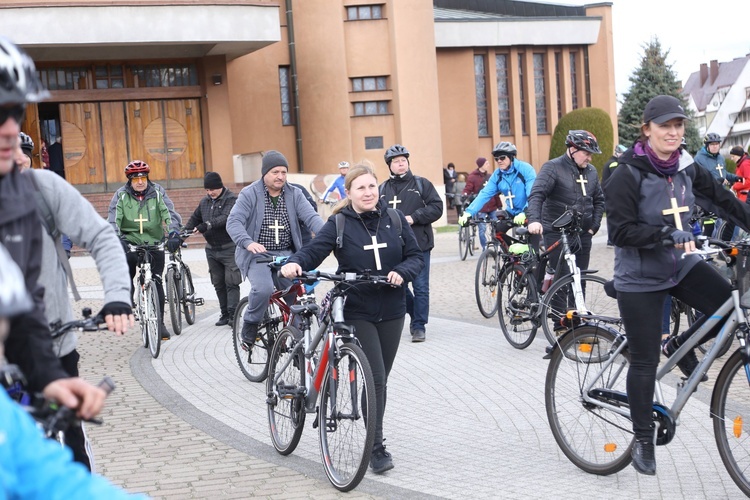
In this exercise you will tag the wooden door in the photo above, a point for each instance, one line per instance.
(146, 136)
(82, 145)
(184, 139)
(115, 147)
(31, 127)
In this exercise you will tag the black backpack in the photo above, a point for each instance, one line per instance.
(341, 222)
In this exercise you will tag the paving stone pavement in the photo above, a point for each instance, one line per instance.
(465, 415)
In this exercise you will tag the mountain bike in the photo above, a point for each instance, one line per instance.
(180, 291)
(587, 403)
(253, 362)
(490, 262)
(147, 304)
(326, 363)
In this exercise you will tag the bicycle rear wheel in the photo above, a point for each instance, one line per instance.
(559, 299)
(285, 388)
(153, 318)
(518, 306)
(485, 282)
(595, 439)
(188, 294)
(463, 241)
(173, 299)
(730, 409)
(346, 435)
(254, 362)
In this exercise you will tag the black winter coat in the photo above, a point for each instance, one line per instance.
(216, 212)
(29, 344)
(374, 303)
(424, 208)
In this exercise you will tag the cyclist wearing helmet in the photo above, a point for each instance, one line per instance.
(476, 181)
(611, 163)
(176, 219)
(141, 217)
(23, 153)
(29, 344)
(338, 184)
(417, 198)
(709, 158)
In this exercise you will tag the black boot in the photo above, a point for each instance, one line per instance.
(249, 334)
(223, 320)
(644, 460)
(689, 361)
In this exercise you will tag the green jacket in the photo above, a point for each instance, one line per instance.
(151, 212)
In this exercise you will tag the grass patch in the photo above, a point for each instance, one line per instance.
(449, 228)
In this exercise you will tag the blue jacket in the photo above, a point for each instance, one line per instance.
(517, 180)
(712, 162)
(32, 466)
(338, 185)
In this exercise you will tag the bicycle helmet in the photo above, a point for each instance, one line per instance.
(27, 145)
(394, 151)
(14, 298)
(711, 137)
(137, 168)
(504, 148)
(344, 164)
(18, 81)
(620, 149)
(583, 140)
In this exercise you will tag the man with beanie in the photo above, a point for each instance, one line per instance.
(474, 184)
(417, 198)
(740, 158)
(210, 219)
(266, 220)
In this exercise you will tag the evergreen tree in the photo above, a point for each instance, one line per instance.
(653, 77)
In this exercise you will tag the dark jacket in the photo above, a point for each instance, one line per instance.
(214, 212)
(636, 196)
(715, 164)
(556, 189)
(424, 208)
(609, 166)
(474, 184)
(306, 233)
(373, 303)
(28, 344)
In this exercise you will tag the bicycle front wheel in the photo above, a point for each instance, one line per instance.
(518, 302)
(346, 433)
(142, 314)
(463, 241)
(560, 299)
(485, 282)
(285, 388)
(153, 318)
(595, 439)
(730, 409)
(188, 294)
(173, 299)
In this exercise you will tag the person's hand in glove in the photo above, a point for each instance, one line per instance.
(464, 219)
(125, 244)
(683, 239)
(118, 316)
(203, 227)
(520, 219)
(174, 242)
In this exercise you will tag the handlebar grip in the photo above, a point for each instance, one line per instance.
(107, 384)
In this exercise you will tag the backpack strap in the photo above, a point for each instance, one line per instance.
(340, 223)
(420, 188)
(396, 221)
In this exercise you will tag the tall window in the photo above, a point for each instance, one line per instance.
(370, 83)
(285, 86)
(558, 82)
(574, 80)
(364, 12)
(503, 94)
(481, 94)
(540, 96)
(521, 93)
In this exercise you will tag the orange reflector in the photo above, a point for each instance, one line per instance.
(732, 252)
(584, 348)
(610, 447)
(737, 428)
(570, 314)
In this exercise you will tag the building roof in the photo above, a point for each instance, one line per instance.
(727, 75)
(512, 8)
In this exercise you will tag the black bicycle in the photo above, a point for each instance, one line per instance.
(180, 290)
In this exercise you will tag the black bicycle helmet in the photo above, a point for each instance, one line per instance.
(504, 148)
(583, 140)
(394, 151)
(18, 81)
(14, 299)
(711, 137)
(27, 145)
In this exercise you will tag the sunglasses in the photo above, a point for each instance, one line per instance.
(15, 111)
(501, 157)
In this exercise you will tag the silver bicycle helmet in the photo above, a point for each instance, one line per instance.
(14, 299)
(18, 81)
(504, 148)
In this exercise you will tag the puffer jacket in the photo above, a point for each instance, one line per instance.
(742, 187)
(215, 212)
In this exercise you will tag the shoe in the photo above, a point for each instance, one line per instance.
(689, 361)
(610, 244)
(381, 460)
(165, 335)
(223, 320)
(248, 335)
(644, 460)
(548, 352)
(417, 335)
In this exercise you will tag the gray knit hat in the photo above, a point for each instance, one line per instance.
(271, 160)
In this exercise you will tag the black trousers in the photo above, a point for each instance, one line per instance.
(380, 343)
(157, 270)
(75, 437)
(225, 277)
(703, 289)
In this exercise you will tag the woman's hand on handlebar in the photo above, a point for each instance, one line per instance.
(395, 279)
(291, 270)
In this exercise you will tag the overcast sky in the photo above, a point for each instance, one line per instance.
(693, 32)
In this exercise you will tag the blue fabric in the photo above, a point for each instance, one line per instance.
(66, 243)
(418, 302)
(338, 185)
(32, 466)
(505, 182)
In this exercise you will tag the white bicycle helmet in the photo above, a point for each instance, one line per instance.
(14, 299)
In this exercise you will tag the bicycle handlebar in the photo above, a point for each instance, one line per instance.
(55, 418)
(87, 324)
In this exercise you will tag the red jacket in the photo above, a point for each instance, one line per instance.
(474, 183)
(743, 170)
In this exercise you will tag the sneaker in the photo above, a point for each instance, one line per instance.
(249, 334)
(381, 460)
(165, 335)
(417, 335)
(644, 460)
(689, 361)
(223, 320)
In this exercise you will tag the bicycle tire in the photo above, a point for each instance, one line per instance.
(518, 303)
(558, 300)
(463, 242)
(254, 363)
(173, 299)
(142, 314)
(472, 239)
(486, 282)
(188, 294)
(346, 438)
(731, 416)
(153, 320)
(286, 412)
(595, 439)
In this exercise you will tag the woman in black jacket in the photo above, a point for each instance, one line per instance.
(376, 312)
(652, 252)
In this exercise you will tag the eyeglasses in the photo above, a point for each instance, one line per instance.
(501, 157)
(15, 111)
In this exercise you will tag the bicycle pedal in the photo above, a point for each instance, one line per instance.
(198, 302)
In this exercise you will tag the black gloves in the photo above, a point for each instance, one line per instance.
(202, 227)
(115, 309)
(681, 237)
(125, 244)
(174, 242)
